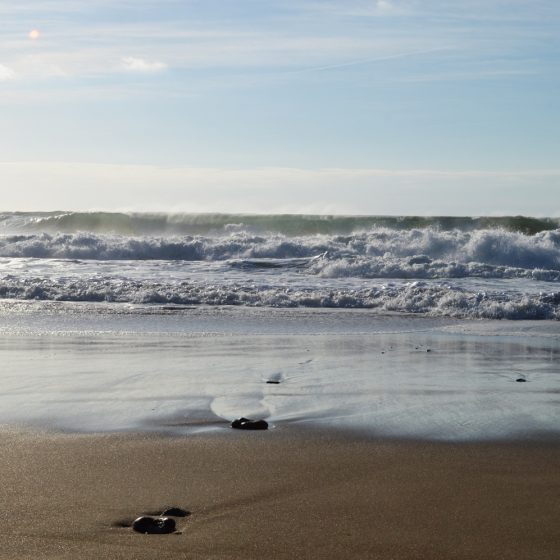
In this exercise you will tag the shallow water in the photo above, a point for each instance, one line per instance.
(94, 367)
(176, 322)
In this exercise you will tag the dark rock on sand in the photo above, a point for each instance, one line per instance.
(154, 525)
(247, 424)
(521, 380)
(175, 512)
(273, 382)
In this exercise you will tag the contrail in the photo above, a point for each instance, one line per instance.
(368, 60)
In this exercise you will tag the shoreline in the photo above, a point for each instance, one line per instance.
(278, 494)
(429, 383)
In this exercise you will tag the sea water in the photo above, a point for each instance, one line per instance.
(483, 268)
(392, 326)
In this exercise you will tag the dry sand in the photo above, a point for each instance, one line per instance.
(278, 494)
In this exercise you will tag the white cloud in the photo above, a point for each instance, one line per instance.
(385, 6)
(362, 8)
(140, 65)
(6, 73)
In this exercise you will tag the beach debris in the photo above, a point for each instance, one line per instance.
(428, 349)
(175, 512)
(154, 525)
(520, 380)
(248, 424)
(273, 382)
(305, 362)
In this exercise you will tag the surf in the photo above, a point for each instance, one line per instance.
(135, 223)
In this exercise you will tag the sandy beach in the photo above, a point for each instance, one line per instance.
(390, 437)
(278, 494)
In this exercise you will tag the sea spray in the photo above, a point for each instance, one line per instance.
(287, 224)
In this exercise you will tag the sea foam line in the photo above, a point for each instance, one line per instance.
(415, 297)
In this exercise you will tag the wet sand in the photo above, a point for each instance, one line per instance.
(278, 494)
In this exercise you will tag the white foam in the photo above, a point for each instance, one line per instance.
(480, 273)
(380, 252)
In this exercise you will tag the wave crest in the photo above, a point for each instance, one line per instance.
(379, 253)
(286, 224)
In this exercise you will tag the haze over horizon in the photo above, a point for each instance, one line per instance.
(350, 107)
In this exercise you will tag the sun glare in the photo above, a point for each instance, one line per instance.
(34, 34)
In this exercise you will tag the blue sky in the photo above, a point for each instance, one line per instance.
(354, 106)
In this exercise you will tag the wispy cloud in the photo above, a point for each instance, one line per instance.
(385, 7)
(362, 8)
(504, 11)
(6, 73)
(133, 64)
(72, 6)
(98, 50)
(104, 57)
(73, 44)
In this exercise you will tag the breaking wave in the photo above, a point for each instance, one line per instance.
(506, 268)
(378, 253)
(415, 297)
(287, 224)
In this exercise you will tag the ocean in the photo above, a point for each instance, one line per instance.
(438, 328)
(494, 268)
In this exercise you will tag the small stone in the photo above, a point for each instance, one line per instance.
(428, 350)
(175, 512)
(247, 424)
(521, 380)
(154, 525)
(273, 382)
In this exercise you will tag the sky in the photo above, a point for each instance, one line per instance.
(428, 107)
